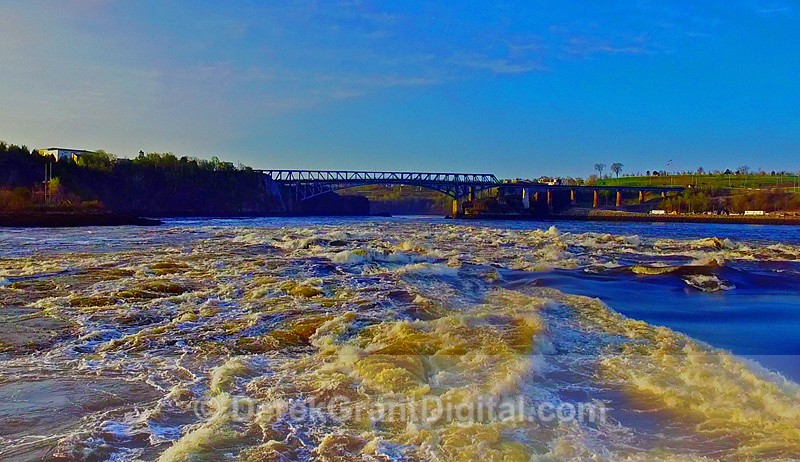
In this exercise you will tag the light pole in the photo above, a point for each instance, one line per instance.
(671, 179)
(48, 175)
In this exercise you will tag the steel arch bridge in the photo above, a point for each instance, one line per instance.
(311, 183)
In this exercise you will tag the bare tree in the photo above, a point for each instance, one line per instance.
(616, 168)
(600, 168)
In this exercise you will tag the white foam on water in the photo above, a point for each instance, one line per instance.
(707, 283)
(384, 312)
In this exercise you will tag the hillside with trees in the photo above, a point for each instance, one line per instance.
(403, 200)
(701, 201)
(728, 179)
(733, 191)
(154, 184)
(161, 183)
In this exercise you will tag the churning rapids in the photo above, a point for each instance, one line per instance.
(390, 340)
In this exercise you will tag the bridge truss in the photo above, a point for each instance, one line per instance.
(311, 183)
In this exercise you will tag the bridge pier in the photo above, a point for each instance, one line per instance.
(619, 198)
(571, 197)
(526, 198)
(641, 197)
(458, 207)
(595, 198)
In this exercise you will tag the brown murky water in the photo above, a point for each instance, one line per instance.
(372, 341)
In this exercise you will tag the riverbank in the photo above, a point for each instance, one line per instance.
(605, 215)
(65, 219)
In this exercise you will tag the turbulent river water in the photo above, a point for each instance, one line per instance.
(394, 339)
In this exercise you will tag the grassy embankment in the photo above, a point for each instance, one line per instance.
(710, 181)
(733, 193)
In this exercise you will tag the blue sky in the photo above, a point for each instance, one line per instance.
(517, 88)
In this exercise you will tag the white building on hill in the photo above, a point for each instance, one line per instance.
(60, 154)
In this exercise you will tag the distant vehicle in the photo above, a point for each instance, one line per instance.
(755, 212)
(658, 212)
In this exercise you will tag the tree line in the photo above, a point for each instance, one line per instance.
(154, 183)
(701, 201)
